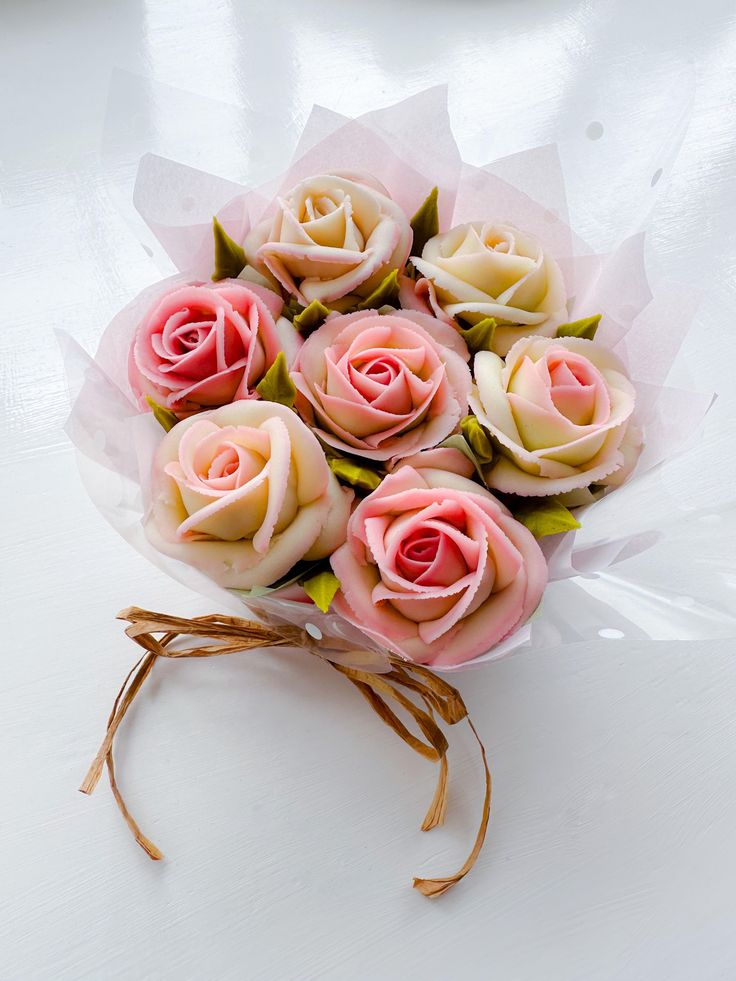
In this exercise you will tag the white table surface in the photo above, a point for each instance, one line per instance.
(287, 813)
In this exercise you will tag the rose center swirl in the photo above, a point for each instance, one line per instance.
(429, 557)
(231, 467)
(190, 334)
(382, 370)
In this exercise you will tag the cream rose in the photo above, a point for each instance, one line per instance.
(332, 235)
(243, 493)
(560, 412)
(484, 270)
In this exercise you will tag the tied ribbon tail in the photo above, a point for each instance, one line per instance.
(229, 635)
(437, 887)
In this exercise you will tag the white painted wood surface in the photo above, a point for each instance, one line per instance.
(288, 815)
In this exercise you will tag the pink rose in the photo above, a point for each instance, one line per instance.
(243, 493)
(332, 235)
(205, 345)
(381, 386)
(560, 411)
(436, 569)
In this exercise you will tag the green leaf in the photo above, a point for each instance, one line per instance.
(386, 293)
(292, 308)
(164, 417)
(321, 589)
(310, 318)
(426, 222)
(229, 257)
(545, 517)
(479, 337)
(477, 439)
(458, 442)
(354, 474)
(580, 328)
(276, 385)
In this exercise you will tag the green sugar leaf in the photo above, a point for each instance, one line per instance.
(276, 385)
(545, 517)
(348, 472)
(386, 293)
(479, 337)
(426, 222)
(580, 328)
(310, 318)
(229, 256)
(292, 307)
(164, 417)
(321, 589)
(477, 439)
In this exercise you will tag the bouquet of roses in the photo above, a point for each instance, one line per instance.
(374, 406)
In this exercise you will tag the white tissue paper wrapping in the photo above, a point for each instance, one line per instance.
(612, 578)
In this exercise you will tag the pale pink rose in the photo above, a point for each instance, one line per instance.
(243, 493)
(436, 569)
(483, 269)
(560, 412)
(205, 345)
(332, 235)
(382, 385)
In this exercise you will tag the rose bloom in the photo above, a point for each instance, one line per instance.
(559, 411)
(332, 235)
(205, 345)
(484, 270)
(435, 568)
(382, 385)
(243, 493)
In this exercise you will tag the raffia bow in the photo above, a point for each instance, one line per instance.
(231, 635)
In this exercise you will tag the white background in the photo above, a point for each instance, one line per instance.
(288, 815)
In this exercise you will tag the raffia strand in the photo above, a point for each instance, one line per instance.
(384, 692)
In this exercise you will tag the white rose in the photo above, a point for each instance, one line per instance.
(332, 236)
(484, 270)
(560, 412)
(243, 493)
